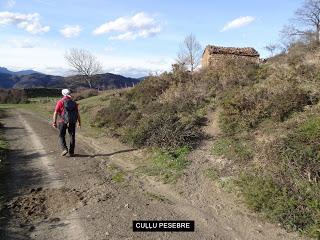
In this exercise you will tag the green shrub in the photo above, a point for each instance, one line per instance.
(245, 108)
(168, 164)
(286, 187)
(294, 210)
(299, 151)
(118, 177)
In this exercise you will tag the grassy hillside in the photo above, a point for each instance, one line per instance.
(269, 117)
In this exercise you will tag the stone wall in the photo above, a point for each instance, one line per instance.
(209, 59)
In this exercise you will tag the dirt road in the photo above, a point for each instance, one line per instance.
(97, 194)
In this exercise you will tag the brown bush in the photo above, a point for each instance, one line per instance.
(245, 108)
(230, 73)
(115, 114)
(85, 93)
(13, 96)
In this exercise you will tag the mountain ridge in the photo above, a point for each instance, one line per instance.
(21, 72)
(33, 79)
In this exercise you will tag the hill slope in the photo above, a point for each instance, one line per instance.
(268, 117)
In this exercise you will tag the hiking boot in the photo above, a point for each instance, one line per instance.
(64, 152)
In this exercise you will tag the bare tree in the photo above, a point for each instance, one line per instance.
(190, 53)
(306, 22)
(84, 63)
(271, 48)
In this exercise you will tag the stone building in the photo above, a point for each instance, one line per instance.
(213, 55)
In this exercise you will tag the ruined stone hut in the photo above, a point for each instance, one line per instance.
(213, 55)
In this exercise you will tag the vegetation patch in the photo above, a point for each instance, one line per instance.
(167, 165)
(244, 110)
(13, 96)
(294, 210)
(272, 126)
(211, 173)
(158, 112)
(233, 148)
(158, 197)
(118, 177)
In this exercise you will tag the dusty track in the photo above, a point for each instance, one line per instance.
(53, 197)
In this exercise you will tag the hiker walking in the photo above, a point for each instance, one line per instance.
(68, 113)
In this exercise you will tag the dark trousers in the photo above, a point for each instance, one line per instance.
(62, 136)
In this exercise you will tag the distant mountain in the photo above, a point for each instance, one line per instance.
(39, 80)
(25, 72)
(103, 81)
(7, 80)
(31, 79)
(4, 70)
(22, 72)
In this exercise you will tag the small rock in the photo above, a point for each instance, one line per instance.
(32, 228)
(229, 228)
(107, 233)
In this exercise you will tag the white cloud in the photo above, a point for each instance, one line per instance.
(10, 3)
(109, 49)
(58, 71)
(48, 59)
(70, 31)
(135, 66)
(29, 22)
(129, 28)
(38, 58)
(238, 22)
(22, 43)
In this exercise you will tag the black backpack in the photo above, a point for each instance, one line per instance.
(70, 113)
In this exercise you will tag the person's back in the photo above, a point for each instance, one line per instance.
(68, 112)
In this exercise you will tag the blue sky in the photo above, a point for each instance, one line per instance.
(131, 37)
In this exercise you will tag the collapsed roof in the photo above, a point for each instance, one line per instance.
(246, 51)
